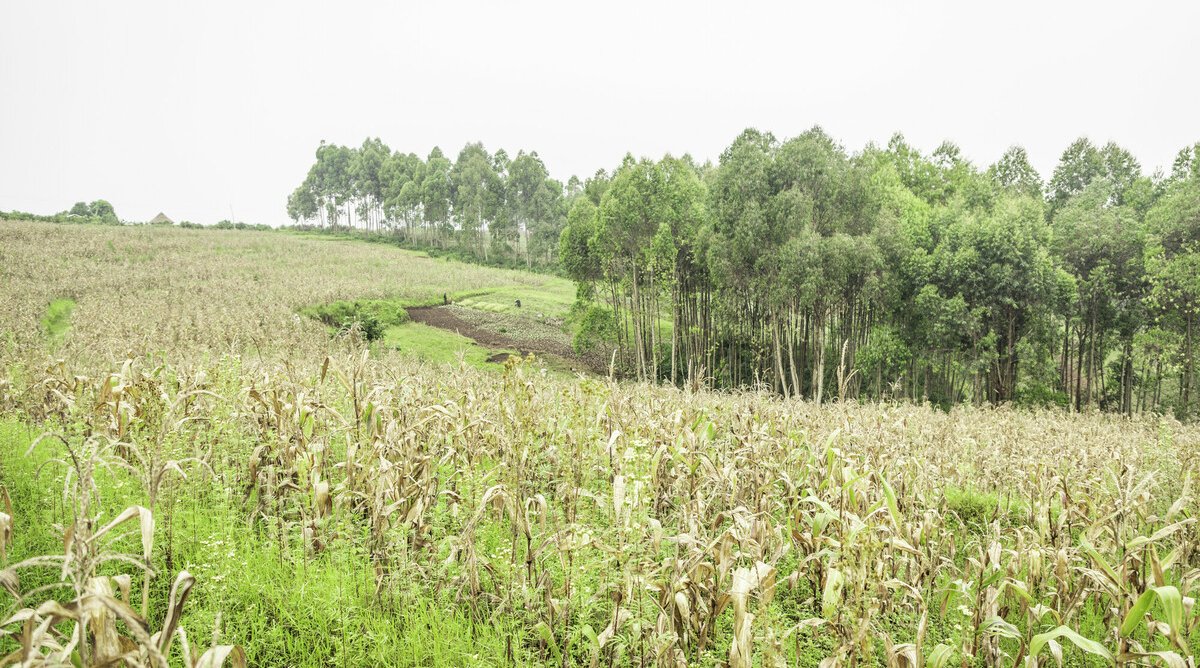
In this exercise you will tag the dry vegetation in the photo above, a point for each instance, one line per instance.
(330, 504)
(173, 292)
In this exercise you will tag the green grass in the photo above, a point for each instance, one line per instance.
(283, 606)
(437, 345)
(542, 297)
(373, 316)
(547, 296)
(57, 319)
(552, 298)
(980, 508)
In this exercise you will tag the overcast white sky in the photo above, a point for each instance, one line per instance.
(196, 108)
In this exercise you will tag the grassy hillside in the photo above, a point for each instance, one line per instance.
(334, 502)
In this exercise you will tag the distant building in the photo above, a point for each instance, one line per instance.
(161, 219)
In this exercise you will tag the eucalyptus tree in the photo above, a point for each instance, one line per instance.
(335, 182)
(625, 227)
(634, 251)
(595, 185)
(573, 188)
(1010, 273)
(436, 194)
(1186, 164)
(795, 262)
(811, 197)
(1173, 269)
(1079, 164)
(970, 271)
(525, 201)
(547, 219)
(738, 201)
(1101, 244)
(919, 174)
(366, 176)
(313, 199)
(1013, 171)
(1121, 170)
(678, 266)
(302, 203)
(474, 187)
(577, 254)
(401, 175)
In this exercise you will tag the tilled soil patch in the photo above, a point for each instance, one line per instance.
(504, 330)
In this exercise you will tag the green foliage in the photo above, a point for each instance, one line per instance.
(480, 206)
(371, 316)
(575, 253)
(1041, 395)
(797, 265)
(595, 326)
(1014, 172)
(99, 212)
(436, 345)
(230, 225)
(57, 319)
(286, 606)
(885, 358)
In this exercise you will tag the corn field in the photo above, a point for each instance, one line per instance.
(551, 521)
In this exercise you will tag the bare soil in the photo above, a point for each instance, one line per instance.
(524, 334)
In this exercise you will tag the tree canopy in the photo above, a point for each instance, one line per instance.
(796, 266)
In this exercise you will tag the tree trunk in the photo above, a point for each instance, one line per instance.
(1188, 366)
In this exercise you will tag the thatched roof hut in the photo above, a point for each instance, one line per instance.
(161, 219)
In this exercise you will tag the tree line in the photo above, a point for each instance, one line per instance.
(796, 266)
(99, 212)
(486, 205)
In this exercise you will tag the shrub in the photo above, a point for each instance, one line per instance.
(596, 327)
(371, 316)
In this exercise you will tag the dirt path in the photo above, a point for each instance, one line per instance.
(506, 331)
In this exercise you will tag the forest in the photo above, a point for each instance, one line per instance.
(804, 269)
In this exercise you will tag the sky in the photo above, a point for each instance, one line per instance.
(212, 110)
